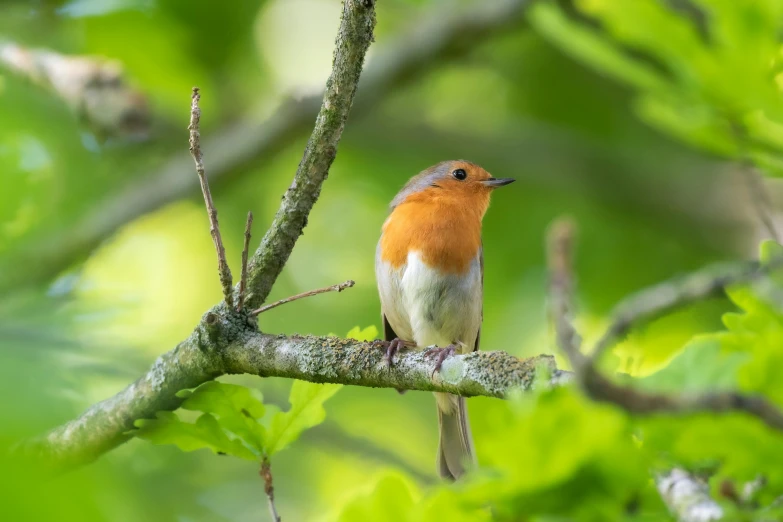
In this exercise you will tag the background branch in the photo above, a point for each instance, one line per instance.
(662, 298)
(94, 88)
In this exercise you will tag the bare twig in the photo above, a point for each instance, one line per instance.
(269, 489)
(333, 288)
(226, 281)
(662, 298)
(245, 250)
(561, 284)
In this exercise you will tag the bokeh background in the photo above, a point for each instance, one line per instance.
(80, 320)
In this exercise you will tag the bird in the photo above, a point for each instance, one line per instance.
(429, 267)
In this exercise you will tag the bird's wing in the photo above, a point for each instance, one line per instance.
(481, 296)
(388, 331)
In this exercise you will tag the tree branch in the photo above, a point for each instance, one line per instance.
(334, 288)
(353, 40)
(222, 344)
(433, 40)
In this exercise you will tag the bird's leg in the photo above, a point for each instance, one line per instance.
(442, 353)
(392, 348)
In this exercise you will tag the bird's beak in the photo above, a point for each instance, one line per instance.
(497, 182)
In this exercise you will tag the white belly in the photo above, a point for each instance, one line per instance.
(429, 308)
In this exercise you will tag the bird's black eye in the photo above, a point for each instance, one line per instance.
(460, 174)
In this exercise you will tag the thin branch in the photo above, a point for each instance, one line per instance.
(269, 489)
(644, 403)
(245, 250)
(433, 39)
(333, 288)
(226, 281)
(660, 299)
(561, 285)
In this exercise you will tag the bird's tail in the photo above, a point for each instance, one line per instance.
(455, 449)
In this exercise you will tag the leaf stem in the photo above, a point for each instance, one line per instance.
(266, 474)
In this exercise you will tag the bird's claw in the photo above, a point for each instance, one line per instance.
(392, 348)
(442, 353)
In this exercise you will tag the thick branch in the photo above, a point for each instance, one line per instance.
(353, 40)
(104, 425)
(433, 40)
(221, 345)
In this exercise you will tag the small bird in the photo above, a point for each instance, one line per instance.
(429, 265)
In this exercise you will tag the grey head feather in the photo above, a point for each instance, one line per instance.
(426, 179)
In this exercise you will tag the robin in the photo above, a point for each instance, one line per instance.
(429, 266)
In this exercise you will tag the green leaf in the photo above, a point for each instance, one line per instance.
(716, 71)
(168, 428)
(237, 408)
(702, 366)
(306, 411)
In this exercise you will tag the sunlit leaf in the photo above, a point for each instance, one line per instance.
(306, 411)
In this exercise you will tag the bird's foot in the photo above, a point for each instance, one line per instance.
(441, 353)
(392, 348)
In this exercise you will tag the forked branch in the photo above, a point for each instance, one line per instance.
(601, 388)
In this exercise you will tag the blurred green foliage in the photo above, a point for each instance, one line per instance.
(618, 113)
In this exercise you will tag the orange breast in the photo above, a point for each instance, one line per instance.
(445, 230)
